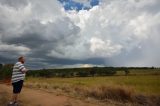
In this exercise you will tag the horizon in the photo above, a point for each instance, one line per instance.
(85, 66)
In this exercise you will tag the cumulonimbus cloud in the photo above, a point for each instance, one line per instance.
(113, 30)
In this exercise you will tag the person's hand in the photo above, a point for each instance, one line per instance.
(24, 70)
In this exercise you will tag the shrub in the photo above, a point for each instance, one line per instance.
(6, 71)
(83, 74)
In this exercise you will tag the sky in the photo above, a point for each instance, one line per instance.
(80, 33)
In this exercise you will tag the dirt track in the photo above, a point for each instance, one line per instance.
(32, 97)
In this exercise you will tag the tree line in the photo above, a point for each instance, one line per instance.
(6, 71)
(73, 72)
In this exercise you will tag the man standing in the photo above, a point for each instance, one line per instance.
(18, 76)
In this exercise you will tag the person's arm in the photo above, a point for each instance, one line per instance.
(22, 68)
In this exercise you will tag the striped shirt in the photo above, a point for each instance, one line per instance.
(18, 72)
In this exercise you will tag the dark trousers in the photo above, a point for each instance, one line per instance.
(17, 86)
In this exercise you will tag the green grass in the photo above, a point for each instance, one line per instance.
(140, 72)
(144, 84)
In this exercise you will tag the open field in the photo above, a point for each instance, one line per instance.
(139, 89)
(149, 84)
(143, 72)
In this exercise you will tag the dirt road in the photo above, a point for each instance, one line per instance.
(32, 97)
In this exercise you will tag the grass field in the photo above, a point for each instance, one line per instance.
(146, 84)
(140, 87)
(134, 72)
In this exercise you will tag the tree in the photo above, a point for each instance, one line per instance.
(93, 71)
(6, 71)
(83, 74)
(1, 65)
(126, 71)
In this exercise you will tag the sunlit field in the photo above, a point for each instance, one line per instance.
(138, 87)
(145, 84)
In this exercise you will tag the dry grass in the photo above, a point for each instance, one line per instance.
(119, 94)
(147, 85)
(132, 90)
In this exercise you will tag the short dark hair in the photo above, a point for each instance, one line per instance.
(21, 57)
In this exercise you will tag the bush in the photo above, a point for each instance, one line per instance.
(6, 71)
(105, 71)
(126, 71)
(83, 74)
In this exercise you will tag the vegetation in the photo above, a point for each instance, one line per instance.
(73, 72)
(148, 84)
(133, 89)
(138, 86)
(5, 71)
(93, 71)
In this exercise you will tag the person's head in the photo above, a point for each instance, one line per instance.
(21, 59)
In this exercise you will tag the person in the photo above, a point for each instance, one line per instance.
(18, 76)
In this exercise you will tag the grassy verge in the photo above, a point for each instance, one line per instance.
(137, 89)
(148, 85)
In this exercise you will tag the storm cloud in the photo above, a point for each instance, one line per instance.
(112, 33)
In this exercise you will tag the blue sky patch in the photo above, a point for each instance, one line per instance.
(72, 5)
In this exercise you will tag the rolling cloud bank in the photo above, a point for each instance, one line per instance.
(110, 33)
